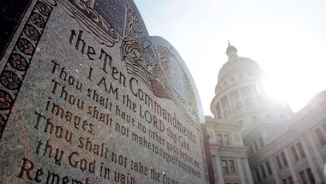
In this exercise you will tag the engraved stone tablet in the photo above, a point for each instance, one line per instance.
(87, 96)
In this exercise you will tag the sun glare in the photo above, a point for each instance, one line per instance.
(274, 88)
(280, 88)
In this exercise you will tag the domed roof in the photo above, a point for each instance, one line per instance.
(235, 63)
(319, 98)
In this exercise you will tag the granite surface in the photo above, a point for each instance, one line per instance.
(87, 96)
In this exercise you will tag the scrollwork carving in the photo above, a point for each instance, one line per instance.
(141, 62)
(189, 103)
(165, 56)
(192, 103)
(92, 21)
(133, 25)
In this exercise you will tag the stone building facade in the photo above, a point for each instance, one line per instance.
(255, 139)
(228, 153)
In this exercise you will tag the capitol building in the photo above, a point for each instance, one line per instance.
(255, 139)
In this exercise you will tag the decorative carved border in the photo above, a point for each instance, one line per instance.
(133, 25)
(14, 72)
(92, 22)
(190, 103)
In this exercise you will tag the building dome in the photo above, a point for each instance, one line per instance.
(318, 100)
(236, 63)
(239, 93)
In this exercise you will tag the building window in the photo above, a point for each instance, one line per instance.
(269, 169)
(261, 143)
(231, 166)
(290, 180)
(237, 138)
(223, 139)
(254, 118)
(324, 126)
(219, 139)
(310, 176)
(251, 149)
(284, 181)
(226, 140)
(225, 167)
(239, 105)
(256, 146)
(284, 159)
(210, 134)
(299, 146)
(248, 102)
(228, 167)
(303, 177)
(278, 162)
(257, 175)
(263, 171)
(294, 153)
(320, 136)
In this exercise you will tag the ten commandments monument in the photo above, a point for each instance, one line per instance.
(87, 96)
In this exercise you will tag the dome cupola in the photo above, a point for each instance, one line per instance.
(231, 51)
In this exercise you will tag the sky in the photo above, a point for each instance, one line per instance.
(287, 38)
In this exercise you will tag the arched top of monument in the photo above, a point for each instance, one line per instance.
(176, 71)
(156, 62)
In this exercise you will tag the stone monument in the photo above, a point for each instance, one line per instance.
(87, 96)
